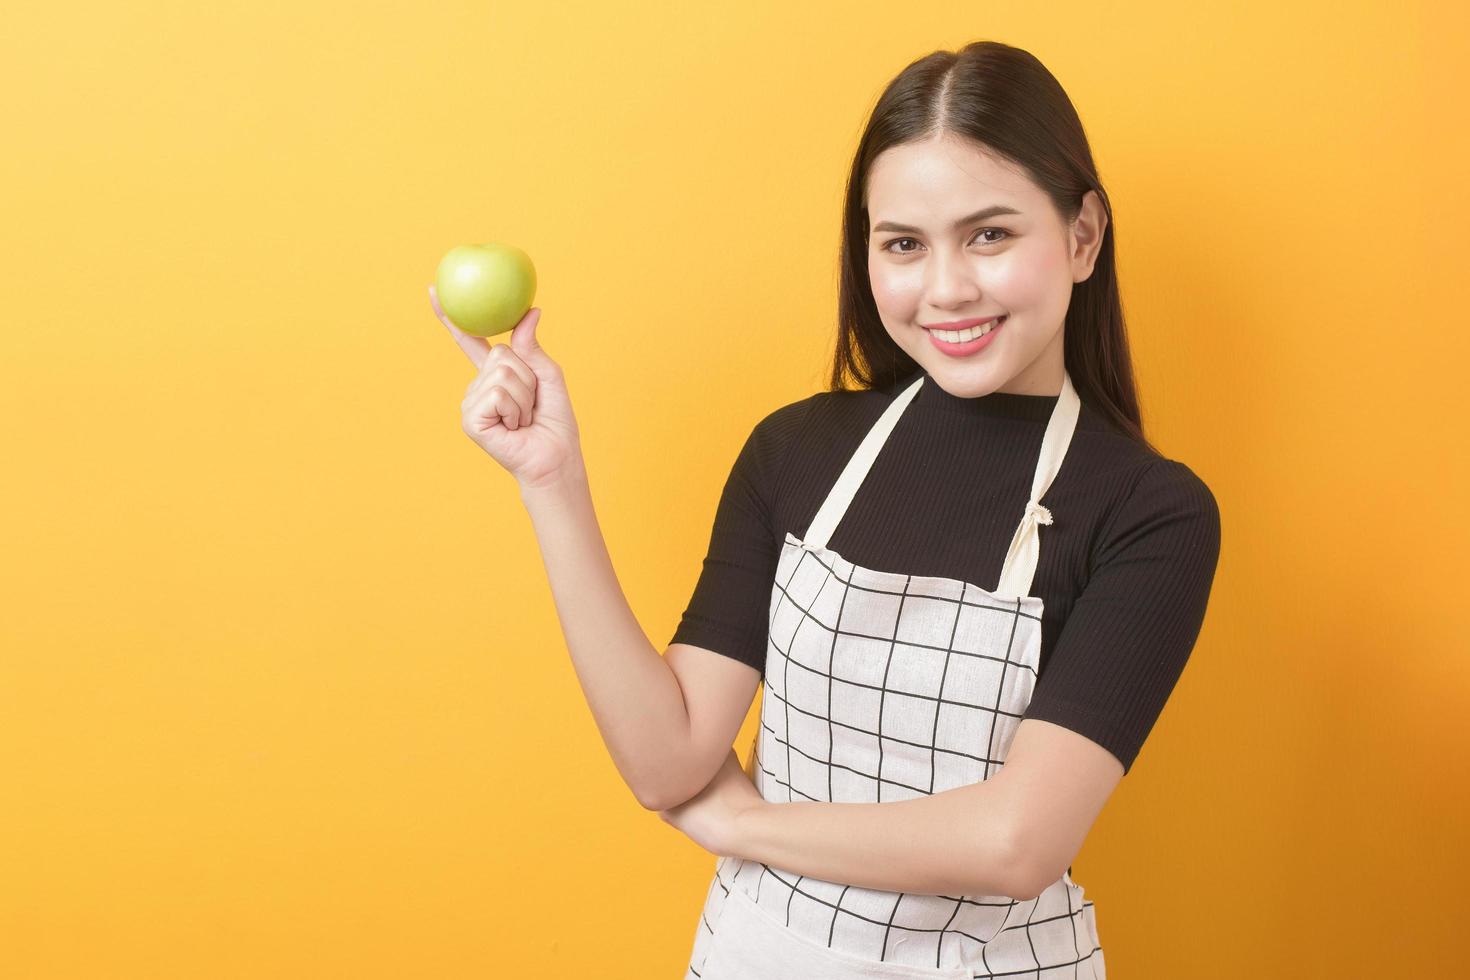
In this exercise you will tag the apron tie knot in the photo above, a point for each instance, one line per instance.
(1020, 564)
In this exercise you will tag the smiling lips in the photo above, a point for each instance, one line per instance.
(959, 324)
(961, 343)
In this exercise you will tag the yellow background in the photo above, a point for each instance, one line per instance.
(283, 692)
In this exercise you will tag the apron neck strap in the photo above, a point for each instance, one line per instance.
(1021, 557)
(1020, 562)
(846, 487)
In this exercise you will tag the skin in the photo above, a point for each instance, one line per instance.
(1023, 266)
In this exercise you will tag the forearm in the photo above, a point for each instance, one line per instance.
(634, 696)
(950, 843)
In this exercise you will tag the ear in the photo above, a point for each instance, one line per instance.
(1086, 233)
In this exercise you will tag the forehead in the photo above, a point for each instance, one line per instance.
(937, 178)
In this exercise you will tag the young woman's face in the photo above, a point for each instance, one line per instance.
(932, 261)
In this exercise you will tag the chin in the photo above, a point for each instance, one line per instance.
(966, 385)
(963, 380)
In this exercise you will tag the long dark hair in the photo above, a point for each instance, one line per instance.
(1004, 99)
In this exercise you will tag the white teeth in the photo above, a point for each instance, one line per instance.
(960, 336)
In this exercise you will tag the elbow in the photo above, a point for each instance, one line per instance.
(1024, 889)
(1026, 876)
(658, 797)
(651, 797)
(652, 800)
(653, 782)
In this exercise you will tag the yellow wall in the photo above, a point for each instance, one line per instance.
(283, 692)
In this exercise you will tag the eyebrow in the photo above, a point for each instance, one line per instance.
(980, 215)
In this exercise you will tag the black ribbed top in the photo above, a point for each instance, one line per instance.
(1125, 568)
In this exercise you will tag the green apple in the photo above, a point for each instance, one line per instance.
(485, 289)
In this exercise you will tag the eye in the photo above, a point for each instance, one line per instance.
(888, 246)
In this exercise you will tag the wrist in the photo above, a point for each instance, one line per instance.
(745, 828)
(558, 486)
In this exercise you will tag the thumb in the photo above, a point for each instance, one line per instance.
(523, 340)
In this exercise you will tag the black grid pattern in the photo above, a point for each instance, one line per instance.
(883, 686)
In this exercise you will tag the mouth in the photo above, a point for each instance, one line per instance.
(964, 330)
(963, 324)
(959, 343)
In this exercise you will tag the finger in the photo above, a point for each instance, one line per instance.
(481, 398)
(501, 355)
(524, 394)
(499, 402)
(505, 370)
(475, 348)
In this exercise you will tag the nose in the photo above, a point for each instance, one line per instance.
(952, 282)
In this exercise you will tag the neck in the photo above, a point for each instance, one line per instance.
(1003, 404)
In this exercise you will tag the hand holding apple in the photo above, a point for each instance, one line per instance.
(517, 408)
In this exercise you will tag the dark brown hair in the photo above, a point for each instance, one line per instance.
(1004, 99)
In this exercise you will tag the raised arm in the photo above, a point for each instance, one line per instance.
(669, 720)
(666, 740)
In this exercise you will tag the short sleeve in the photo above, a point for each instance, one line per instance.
(730, 608)
(1128, 636)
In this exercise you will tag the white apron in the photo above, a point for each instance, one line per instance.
(883, 686)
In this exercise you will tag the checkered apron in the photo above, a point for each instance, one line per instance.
(883, 686)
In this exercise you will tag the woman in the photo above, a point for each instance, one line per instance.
(947, 704)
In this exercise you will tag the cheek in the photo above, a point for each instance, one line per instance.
(894, 291)
(1019, 275)
(1025, 279)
